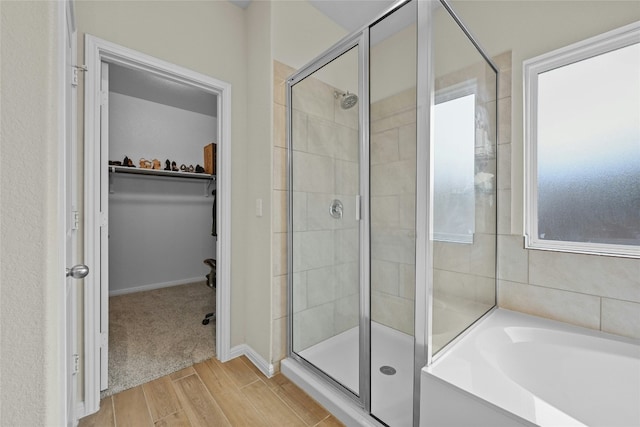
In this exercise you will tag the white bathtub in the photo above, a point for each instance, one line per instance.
(515, 369)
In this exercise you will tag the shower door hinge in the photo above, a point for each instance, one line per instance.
(75, 71)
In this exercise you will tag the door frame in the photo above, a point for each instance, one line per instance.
(96, 289)
(359, 40)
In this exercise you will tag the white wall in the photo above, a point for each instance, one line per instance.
(257, 310)
(30, 310)
(300, 32)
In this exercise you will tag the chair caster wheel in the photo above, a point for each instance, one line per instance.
(205, 322)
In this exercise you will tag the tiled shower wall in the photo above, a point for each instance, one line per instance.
(393, 195)
(279, 214)
(464, 276)
(325, 266)
(597, 292)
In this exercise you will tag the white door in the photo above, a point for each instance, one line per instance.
(70, 214)
(104, 226)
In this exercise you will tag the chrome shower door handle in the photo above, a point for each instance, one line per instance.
(79, 271)
(335, 210)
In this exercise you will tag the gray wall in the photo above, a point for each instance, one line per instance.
(159, 227)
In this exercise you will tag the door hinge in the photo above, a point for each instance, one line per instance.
(75, 220)
(104, 98)
(76, 364)
(103, 219)
(74, 73)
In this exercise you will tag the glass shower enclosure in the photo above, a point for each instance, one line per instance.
(391, 204)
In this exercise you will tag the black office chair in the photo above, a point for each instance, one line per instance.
(211, 282)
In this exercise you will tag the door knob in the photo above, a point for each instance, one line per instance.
(79, 271)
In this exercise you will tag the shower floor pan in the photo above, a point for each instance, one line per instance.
(391, 369)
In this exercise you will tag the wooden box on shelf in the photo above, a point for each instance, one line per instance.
(210, 158)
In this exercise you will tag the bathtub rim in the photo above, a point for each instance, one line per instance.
(564, 327)
(431, 373)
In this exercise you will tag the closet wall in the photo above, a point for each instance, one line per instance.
(159, 227)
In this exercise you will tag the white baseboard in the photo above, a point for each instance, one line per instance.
(265, 367)
(80, 412)
(153, 286)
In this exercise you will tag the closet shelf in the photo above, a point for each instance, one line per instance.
(160, 172)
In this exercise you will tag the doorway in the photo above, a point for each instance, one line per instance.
(103, 177)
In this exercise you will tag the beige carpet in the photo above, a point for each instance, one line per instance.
(155, 333)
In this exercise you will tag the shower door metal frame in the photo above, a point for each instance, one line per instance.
(423, 307)
(424, 187)
(358, 40)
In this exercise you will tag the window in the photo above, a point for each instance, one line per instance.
(454, 143)
(582, 145)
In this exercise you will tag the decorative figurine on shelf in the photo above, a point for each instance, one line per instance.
(183, 168)
(156, 164)
(145, 164)
(167, 165)
(174, 167)
(128, 162)
(199, 169)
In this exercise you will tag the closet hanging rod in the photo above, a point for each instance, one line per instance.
(160, 172)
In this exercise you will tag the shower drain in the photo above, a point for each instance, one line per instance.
(388, 370)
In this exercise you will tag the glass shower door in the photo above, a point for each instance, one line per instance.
(324, 186)
(464, 175)
(393, 144)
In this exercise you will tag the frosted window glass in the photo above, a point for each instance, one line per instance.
(588, 150)
(454, 194)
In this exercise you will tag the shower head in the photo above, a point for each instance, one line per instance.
(347, 100)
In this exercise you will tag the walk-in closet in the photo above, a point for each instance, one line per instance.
(161, 142)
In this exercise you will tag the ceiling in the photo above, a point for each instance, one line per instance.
(161, 90)
(349, 14)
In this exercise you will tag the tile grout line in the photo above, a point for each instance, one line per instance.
(289, 406)
(270, 391)
(113, 411)
(212, 396)
(249, 401)
(146, 402)
(322, 420)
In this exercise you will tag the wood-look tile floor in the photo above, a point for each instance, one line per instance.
(211, 394)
